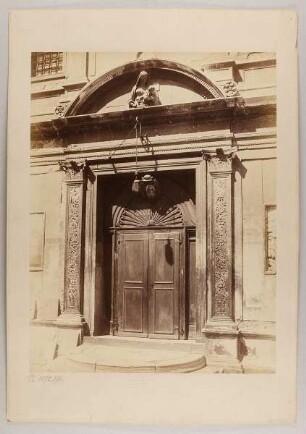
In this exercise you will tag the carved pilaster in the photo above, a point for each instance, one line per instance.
(74, 240)
(201, 244)
(220, 232)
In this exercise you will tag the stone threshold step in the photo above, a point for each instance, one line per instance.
(147, 343)
(178, 364)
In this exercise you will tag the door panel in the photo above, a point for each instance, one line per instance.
(163, 259)
(164, 282)
(133, 255)
(163, 316)
(132, 279)
(133, 318)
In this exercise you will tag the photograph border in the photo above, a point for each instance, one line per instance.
(283, 224)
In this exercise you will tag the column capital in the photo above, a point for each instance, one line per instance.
(220, 161)
(75, 170)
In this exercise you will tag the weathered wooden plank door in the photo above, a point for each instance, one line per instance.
(132, 295)
(148, 292)
(164, 281)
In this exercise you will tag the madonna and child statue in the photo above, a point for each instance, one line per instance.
(143, 93)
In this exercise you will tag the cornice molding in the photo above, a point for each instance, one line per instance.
(239, 64)
(223, 108)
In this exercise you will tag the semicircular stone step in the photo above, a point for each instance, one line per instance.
(130, 359)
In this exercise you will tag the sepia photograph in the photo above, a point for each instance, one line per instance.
(152, 217)
(153, 243)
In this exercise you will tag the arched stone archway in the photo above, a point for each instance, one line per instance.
(119, 81)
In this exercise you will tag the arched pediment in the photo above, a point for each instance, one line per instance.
(176, 84)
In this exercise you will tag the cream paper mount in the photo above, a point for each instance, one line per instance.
(154, 141)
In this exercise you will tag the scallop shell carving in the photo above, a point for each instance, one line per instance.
(159, 216)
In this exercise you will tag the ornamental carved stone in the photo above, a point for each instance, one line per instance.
(73, 253)
(146, 213)
(143, 93)
(222, 259)
(218, 165)
(61, 109)
(221, 161)
(75, 186)
(220, 210)
(74, 170)
(230, 88)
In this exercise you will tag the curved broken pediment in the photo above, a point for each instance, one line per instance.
(165, 83)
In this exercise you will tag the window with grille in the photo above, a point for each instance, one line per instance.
(270, 235)
(47, 63)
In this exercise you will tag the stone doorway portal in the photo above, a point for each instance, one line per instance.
(149, 260)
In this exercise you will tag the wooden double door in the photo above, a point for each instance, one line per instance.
(150, 290)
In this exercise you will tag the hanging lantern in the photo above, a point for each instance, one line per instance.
(147, 186)
(136, 184)
(150, 187)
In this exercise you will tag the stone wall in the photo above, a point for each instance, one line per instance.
(258, 192)
(47, 229)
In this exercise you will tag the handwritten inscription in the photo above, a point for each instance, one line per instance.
(55, 379)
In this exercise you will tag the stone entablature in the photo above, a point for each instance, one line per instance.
(84, 127)
(88, 137)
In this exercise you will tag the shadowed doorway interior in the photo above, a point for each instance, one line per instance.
(145, 259)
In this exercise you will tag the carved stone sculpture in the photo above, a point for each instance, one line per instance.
(143, 94)
(230, 89)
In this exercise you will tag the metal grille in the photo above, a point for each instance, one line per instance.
(46, 63)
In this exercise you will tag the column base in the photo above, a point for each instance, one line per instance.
(226, 328)
(221, 339)
(71, 320)
(70, 331)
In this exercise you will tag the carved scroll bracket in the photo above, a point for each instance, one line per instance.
(61, 109)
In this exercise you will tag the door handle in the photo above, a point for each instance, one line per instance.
(180, 330)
